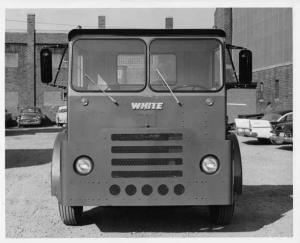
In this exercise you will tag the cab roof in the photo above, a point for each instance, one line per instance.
(147, 32)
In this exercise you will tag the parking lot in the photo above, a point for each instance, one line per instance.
(264, 209)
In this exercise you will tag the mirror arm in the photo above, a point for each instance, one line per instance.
(233, 67)
(229, 46)
(57, 86)
(60, 63)
(233, 85)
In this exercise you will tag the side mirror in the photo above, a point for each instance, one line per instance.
(245, 67)
(46, 65)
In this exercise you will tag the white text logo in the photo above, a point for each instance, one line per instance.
(147, 106)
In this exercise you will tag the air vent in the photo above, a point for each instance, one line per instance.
(146, 149)
(147, 137)
(146, 174)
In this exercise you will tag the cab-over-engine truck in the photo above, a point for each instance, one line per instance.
(147, 121)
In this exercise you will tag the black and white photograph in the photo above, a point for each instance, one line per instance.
(157, 122)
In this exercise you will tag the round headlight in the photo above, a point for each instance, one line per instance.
(209, 164)
(83, 165)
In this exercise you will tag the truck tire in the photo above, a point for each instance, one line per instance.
(237, 164)
(221, 214)
(70, 215)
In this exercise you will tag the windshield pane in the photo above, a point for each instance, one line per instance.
(110, 65)
(186, 65)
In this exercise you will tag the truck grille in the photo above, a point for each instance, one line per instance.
(164, 155)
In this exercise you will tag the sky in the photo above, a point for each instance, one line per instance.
(62, 20)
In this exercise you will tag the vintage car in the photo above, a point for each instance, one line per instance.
(261, 128)
(30, 116)
(61, 116)
(283, 131)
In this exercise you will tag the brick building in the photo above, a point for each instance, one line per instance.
(267, 32)
(23, 87)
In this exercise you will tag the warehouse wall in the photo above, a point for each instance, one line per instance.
(267, 32)
(22, 71)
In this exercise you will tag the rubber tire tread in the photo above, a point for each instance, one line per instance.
(221, 214)
(70, 215)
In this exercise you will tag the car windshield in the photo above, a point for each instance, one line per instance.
(109, 65)
(63, 110)
(185, 64)
(31, 110)
(271, 117)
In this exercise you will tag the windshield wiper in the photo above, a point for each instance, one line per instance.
(110, 97)
(165, 83)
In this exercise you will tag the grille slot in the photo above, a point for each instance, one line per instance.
(147, 137)
(140, 162)
(146, 174)
(146, 149)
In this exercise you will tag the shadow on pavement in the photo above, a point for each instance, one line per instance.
(31, 130)
(257, 207)
(26, 157)
(286, 147)
(256, 142)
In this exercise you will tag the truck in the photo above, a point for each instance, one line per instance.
(147, 121)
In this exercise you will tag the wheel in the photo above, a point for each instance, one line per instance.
(70, 215)
(221, 214)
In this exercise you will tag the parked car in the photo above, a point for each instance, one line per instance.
(261, 128)
(8, 118)
(283, 131)
(61, 116)
(30, 116)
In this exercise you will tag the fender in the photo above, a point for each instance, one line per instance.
(237, 164)
(55, 166)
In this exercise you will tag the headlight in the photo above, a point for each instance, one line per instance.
(83, 165)
(209, 164)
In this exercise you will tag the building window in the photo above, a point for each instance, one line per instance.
(11, 60)
(56, 57)
(261, 92)
(53, 98)
(276, 95)
(131, 69)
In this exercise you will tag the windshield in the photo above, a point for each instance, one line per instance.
(186, 65)
(109, 65)
(31, 110)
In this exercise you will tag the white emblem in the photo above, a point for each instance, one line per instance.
(147, 105)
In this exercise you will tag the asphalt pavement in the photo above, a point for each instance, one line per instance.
(264, 209)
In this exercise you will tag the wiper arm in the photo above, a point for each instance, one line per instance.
(110, 97)
(166, 84)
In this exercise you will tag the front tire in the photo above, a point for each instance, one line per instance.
(70, 215)
(221, 214)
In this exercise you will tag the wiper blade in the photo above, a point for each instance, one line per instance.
(110, 97)
(166, 84)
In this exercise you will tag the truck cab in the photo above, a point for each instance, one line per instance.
(146, 123)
